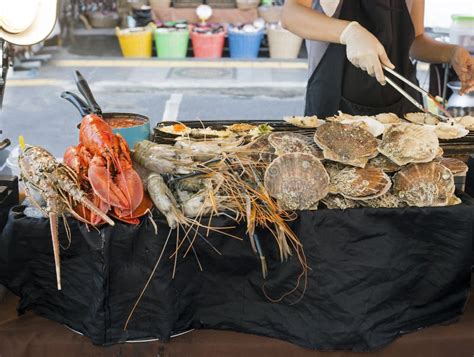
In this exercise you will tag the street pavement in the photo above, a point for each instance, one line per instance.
(182, 90)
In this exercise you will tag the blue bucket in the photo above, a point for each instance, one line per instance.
(245, 45)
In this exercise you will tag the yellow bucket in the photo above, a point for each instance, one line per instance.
(135, 42)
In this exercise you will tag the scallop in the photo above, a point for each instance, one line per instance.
(333, 201)
(409, 143)
(451, 130)
(457, 167)
(422, 118)
(259, 149)
(384, 163)
(361, 184)
(346, 143)
(388, 118)
(367, 123)
(285, 143)
(297, 180)
(304, 122)
(388, 200)
(466, 121)
(424, 185)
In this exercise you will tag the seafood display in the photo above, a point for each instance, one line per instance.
(252, 174)
(58, 186)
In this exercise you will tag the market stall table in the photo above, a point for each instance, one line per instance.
(31, 335)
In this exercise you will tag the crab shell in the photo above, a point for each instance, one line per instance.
(406, 143)
(297, 180)
(285, 143)
(424, 185)
(457, 167)
(346, 143)
(360, 184)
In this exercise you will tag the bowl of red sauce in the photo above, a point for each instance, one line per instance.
(133, 127)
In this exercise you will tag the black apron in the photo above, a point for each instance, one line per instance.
(336, 84)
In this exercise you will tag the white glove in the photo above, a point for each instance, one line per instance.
(365, 51)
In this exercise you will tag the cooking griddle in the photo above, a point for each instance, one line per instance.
(461, 146)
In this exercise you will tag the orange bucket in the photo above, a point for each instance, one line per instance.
(208, 45)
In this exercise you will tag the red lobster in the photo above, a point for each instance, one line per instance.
(102, 161)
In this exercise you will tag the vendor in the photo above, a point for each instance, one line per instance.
(349, 39)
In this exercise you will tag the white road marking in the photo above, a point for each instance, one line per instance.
(172, 107)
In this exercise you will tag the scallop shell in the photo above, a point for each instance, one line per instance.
(388, 200)
(298, 180)
(345, 143)
(451, 130)
(361, 184)
(466, 121)
(260, 149)
(339, 202)
(423, 185)
(384, 163)
(285, 143)
(388, 118)
(454, 200)
(421, 118)
(405, 143)
(366, 123)
(304, 122)
(457, 167)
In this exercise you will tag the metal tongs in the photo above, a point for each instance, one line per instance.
(424, 93)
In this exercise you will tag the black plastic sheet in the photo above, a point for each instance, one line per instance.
(375, 274)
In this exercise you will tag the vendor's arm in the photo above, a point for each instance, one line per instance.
(425, 49)
(362, 48)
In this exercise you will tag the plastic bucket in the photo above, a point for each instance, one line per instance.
(208, 45)
(283, 44)
(245, 45)
(135, 43)
(172, 44)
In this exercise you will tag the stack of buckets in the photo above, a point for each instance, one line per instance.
(136, 42)
(245, 44)
(172, 42)
(208, 44)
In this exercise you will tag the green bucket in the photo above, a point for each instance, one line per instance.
(172, 44)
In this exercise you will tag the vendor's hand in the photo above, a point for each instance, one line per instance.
(365, 51)
(463, 64)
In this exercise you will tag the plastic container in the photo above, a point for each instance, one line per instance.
(283, 44)
(245, 44)
(159, 4)
(461, 31)
(171, 44)
(247, 4)
(135, 42)
(270, 14)
(208, 45)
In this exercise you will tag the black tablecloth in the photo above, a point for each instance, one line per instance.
(375, 274)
